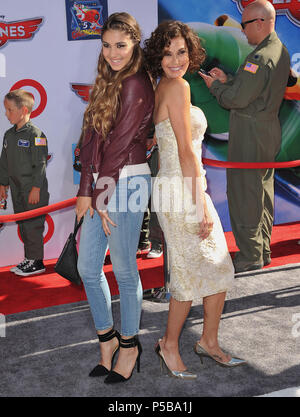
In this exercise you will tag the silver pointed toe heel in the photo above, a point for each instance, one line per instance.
(201, 352)
(175, 374)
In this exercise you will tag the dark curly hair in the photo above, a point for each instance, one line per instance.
(161, 39)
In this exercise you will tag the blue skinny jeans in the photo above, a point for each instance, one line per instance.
(134, 193)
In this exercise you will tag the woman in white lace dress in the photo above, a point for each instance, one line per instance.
(200, 264)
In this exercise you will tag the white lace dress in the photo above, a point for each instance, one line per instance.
(198, 268)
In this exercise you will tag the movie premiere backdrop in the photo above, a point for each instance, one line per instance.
(217, 24)
(51, 49)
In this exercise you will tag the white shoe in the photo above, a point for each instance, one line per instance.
(19, 266)
(154, 253)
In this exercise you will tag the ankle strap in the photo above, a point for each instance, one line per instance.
(109, 335)
(129, 343)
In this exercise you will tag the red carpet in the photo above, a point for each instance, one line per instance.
(284, 244)
(19, 294)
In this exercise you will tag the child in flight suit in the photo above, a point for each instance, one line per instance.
(23, 167)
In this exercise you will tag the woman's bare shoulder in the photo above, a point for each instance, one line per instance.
(170, 94)
(177, 91)
(178, 85)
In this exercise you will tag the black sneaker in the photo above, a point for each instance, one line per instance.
(32, 267)
(144, 247)
(155, 252)
(20, 265)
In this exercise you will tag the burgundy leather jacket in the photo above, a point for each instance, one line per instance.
(124, 145)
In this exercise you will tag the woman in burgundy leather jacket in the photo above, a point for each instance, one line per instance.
(114, 191)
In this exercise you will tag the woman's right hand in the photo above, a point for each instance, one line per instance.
(206, 225)
(83, 204)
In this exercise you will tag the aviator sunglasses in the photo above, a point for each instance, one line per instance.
(243, 24)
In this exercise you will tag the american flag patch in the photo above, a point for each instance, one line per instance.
(40, 142)
(251, 67)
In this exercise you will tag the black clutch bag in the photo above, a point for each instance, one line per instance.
(66, 265)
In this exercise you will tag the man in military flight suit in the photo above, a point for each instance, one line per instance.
(253, 95)
(23, 167)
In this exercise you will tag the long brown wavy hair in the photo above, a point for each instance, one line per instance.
(154, 47)
(104, 101)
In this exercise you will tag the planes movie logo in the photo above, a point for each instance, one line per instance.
(82, 90)
(19, 30)
(290, 8)
(85, 18)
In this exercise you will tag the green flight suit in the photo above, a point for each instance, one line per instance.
(23, 166)
(254, 96)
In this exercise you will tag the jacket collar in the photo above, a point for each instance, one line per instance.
(270, 38)
(24, 127)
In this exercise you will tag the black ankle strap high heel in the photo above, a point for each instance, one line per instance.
(109, 335)
(101, 370)
(113, 377)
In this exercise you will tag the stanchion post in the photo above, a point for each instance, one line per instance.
(162, 295)
(166, 266)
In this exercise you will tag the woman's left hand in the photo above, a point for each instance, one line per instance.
(105, 221)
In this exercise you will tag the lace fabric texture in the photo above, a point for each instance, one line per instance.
(198, 268)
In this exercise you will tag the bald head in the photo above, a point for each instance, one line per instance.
(263, 12)
(262, 8)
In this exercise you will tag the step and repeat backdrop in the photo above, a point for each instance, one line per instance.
(50, 48)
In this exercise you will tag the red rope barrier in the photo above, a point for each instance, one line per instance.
(250, 165)
(206, 161)
(37, 212)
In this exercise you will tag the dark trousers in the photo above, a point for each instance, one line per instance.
(250, 195)
(31, 230)
(151, 231)
(144, 236)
